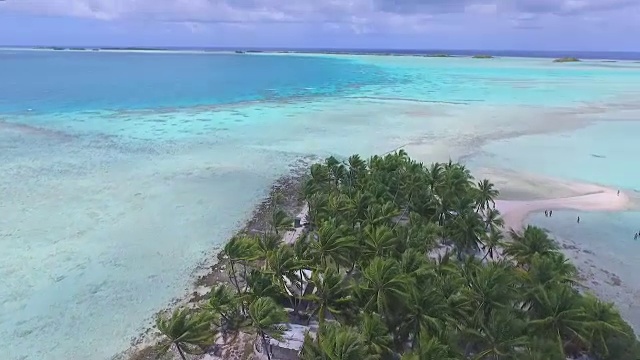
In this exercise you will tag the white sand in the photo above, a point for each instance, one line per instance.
(593, 198)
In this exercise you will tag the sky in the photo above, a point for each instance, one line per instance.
(587, 25)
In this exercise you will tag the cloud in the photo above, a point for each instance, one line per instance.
(361, 16)
(571, 7)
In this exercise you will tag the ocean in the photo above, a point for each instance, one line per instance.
(123, 171)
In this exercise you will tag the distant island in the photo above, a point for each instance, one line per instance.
(566, 59)
(438, 55)
(480, 56)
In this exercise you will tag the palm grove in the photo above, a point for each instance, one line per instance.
(381, 285)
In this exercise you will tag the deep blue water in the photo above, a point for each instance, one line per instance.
(46, 81)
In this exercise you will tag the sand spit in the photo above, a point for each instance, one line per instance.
(594, 198)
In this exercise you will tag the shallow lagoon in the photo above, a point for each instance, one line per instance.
(112, 195)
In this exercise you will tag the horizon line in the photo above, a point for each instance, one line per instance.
(283, 48)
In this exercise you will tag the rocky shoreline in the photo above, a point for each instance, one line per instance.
(287, 188)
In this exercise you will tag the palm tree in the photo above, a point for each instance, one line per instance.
(525, 245)
(221, 302)
(540, 348)
(331, 295)
(558, 314)
(427, 311)
(550, 270)
(492, 241)
(186, 330)
(280, 220)
(499, 336)
(224, 305)
(331, 244)
(338, 343)
(465, 233)
(489, 287)
(435, 176)
(379, 241)
(304, 261)
(356, 169)
(260, 284)
(376, 337)
(431, 349)
(283, 266)
(383, 287)
(317, 203)
(319, 175)
(359, 203)
(603, 320)
(493, 219)
(486, 194)
(238, 249)
(264, 245)
(267, 318)
(383, 214)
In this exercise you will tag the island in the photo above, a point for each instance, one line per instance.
(480, 56)
(438, 55)
(390, 258)
(566, 59)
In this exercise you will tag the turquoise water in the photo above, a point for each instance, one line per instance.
(122, 171)
(603, 152)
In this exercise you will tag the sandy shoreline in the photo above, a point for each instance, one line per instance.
(594, 198)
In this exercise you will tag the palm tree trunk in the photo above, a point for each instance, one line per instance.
(416, 335)
(299, 300)
(235, 278)
(265, 345)
(244, 271)
(180, 352)
(560, 343)
(321, 316)
(235, 282)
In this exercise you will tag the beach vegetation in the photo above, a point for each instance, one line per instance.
(482, 56)
(188, 331)
(267, 319)
(399, 259)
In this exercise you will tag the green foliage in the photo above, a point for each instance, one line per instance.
(267, 317)
(188, 331)
(382, 285)
(338, 343)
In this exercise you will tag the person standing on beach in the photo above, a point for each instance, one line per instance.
(546, 213)
(635, 236)
(618, 192)
(550, 213)
(578, 219)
